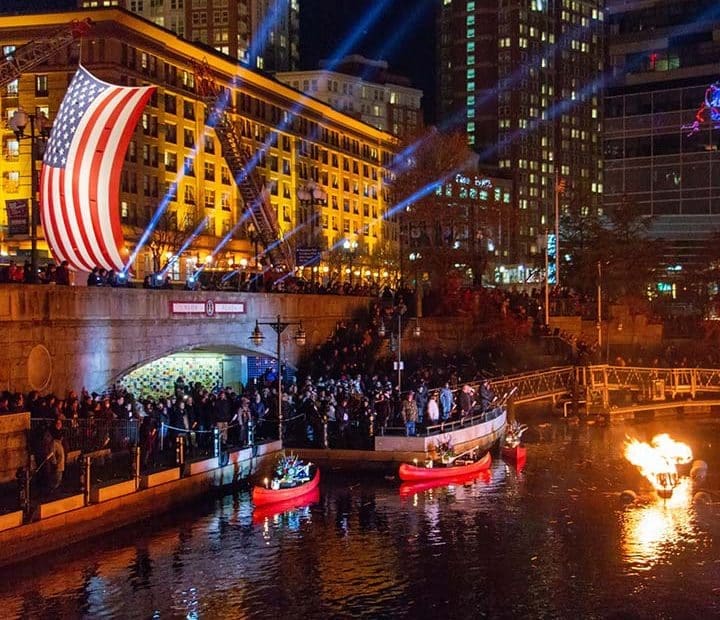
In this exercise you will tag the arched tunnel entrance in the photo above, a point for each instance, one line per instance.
(211, 366)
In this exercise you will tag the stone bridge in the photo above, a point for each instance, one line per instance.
(57, 338)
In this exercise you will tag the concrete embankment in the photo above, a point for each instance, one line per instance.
(68, 520)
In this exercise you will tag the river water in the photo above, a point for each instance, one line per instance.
(553, 540)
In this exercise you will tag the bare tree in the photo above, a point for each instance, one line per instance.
(168, 237)
(436, 232)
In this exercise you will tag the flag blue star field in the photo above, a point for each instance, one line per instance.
(80, 176)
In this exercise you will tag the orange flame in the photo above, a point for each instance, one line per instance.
(658, 460)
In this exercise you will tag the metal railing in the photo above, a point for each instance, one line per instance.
(446, 426)
(89, 435)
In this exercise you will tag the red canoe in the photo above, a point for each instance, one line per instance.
(264, 511)
(518, 453)
(265, 495)
(413, 472)
(411, 488)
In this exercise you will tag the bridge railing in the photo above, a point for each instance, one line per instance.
(604, 378)
(535, 385)
(674, 380)
(447, 426)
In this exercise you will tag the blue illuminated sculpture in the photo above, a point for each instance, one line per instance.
(710, 107)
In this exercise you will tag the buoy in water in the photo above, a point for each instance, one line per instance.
(701, 497)
(628, 496)
(698, 471)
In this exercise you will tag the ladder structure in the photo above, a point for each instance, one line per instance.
(35, 52)
(255, 197)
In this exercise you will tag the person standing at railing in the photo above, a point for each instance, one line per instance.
(409, 412)
(433, 410)
(466, 400)
(486, 395)
(446, 402)
(421, 398)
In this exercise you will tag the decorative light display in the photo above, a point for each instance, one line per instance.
(709, 110)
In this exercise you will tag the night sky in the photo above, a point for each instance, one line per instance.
(325, 24)
(403, 34)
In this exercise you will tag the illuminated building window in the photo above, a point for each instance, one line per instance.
(12, 149)
(11, 181)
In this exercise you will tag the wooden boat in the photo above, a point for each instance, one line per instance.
(408, 489)
(516, 454)
(269, 510)
(266, 495)
(414, 472)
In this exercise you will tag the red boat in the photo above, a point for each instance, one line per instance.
(411, 488)
(265, 511)
(413, 472)
(266, 495)
(517, 454)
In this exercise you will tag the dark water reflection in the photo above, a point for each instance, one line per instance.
(550, 541)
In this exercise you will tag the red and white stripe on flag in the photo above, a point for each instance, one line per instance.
(80, 176)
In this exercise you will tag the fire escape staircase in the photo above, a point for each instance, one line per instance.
(35, 52)
(256, 198)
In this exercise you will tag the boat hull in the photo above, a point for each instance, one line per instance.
(518, 453)
(412, 488)
(262, 495)
(269, 510)
(413, 473)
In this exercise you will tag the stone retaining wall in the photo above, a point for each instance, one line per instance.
(14, 429)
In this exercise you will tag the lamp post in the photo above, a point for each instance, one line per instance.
(350, 247)
(312, 194)
(39, 122)
(399, 311)
(257, 338)
(599, 305)
(547, 280)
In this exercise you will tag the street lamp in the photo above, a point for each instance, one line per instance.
(18, 122)
(350, 246)
(599, 305)
(257, 338)
(309, 195)
(399, 311)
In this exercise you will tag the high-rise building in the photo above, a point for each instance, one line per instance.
(664, 57)
(522, 77)
(365, 89)
(324, 171)
(264, 34)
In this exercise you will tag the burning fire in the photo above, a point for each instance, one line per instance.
(676, 450)
(658, 461)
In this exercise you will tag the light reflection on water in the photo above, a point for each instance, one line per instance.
(657, 530)
(551, 539)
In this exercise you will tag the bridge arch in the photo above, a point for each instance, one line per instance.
(95, 336)
(211, 365)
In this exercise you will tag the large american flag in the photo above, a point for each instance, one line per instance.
(80, 176)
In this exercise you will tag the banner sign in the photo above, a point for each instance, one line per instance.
(209, 307)
(18, 216)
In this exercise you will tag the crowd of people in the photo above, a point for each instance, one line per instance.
(14, 273)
